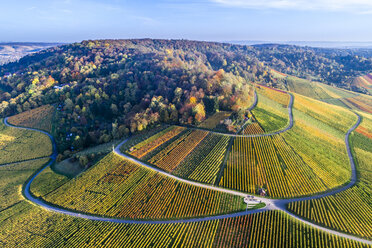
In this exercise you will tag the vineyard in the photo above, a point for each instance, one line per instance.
(25, 225)
(364, 82)
(46, 182)
(360, 103)
(333, 116)
(268, 229)
(214, 120)
(140, 137)
(365, 127)
(204, 162)
(253, 128)
(349, 211)
(273, 229)
(278, 96)
(317, 90)
(154, 141)
(117, 187)
(309, 158)
(318, 137)
(171, 156)
(19, 145)
(206, 171)
(12, 178)
(196, 155)
(40, 118)
(270, 163)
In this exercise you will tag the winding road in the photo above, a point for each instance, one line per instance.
(271, 204)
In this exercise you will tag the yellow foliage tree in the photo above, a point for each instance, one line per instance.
(192, 100)
(199, 112)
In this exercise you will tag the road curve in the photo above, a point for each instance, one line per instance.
(271, 204)
(41, 203)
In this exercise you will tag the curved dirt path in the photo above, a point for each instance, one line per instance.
(271, 204)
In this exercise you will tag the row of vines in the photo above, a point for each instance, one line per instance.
(270, 163)
(266, 229)
(120, 188)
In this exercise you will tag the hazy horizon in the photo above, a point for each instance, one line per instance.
(69, 21)
(316, 44)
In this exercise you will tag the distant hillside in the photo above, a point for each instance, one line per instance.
(331, 66)
(318, 44)
(13, 51)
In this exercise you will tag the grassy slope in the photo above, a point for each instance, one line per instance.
(271, 110)
(317, 90)
(270, 114)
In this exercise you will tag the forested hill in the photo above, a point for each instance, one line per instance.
(104, 89)
(328, 65)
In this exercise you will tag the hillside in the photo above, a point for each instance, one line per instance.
(103, 90)
(162, 186)
(13, 51)
(186, 183)
(107, 89)
(330, 66)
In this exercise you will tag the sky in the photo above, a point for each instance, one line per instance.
(210, 20)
